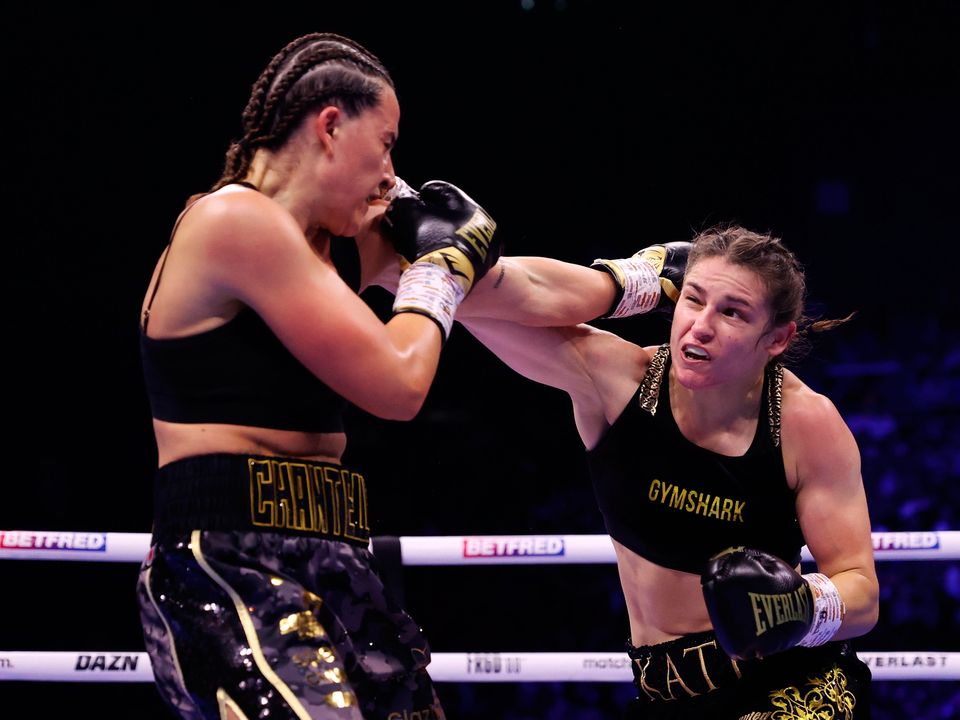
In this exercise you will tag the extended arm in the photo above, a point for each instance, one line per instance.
(599, 370)
(544, 292)
(540, 291)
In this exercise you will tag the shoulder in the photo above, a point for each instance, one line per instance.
(242, 236)
(239, 220)
(816, 440)
(606, 353)
(616, 368)
(611, 369)
(804, 409)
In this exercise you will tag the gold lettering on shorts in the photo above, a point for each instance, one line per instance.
(333, 480)
(355, 506)
(307, 498)
(263, 494)
(673, 676)
(691, 501)
(643, 680)
(321, 502)
(703, 664)
(300, 513)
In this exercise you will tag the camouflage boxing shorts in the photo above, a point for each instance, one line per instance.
(275, 624)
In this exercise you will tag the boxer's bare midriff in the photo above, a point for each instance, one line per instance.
(176, 441)
(662, 604)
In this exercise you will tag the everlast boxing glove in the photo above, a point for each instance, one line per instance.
(450, 241)
(648, 281)
(759, 605)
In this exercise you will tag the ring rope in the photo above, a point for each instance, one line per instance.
(76, 666)
(100, 666)
(442, 550)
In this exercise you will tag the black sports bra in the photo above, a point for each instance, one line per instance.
(676, 503)
(239, 373)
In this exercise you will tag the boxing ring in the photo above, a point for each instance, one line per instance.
(610, 667)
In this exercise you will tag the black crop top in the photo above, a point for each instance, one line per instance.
(240, 374)
(677, 504)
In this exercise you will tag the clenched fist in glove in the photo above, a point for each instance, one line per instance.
(450, 242)
(759, 605)
(649, 280)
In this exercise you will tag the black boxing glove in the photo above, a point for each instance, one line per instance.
(450, 242)
(441, 224)
(759, 605)
(648, 281)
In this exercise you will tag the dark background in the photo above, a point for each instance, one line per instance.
(587, 131)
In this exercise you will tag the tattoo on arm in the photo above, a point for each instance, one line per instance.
(499, 278)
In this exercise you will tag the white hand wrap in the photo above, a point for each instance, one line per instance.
(640, 282)
(430, 290)
(828, 610)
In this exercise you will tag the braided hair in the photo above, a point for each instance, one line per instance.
(313, 71)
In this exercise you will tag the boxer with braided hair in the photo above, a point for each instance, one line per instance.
(312, 71)
(259, 594)
(712, 466)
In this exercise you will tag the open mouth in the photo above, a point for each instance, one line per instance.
(692, 352)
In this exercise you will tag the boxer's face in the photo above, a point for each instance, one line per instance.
(362, 166)
(721, 328)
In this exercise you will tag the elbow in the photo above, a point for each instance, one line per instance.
(865, 622)
(396, 387)
(872, 614)
(404, 401)
(403, 411)
(867, 611)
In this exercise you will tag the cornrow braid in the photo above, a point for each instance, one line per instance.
(313, 70)
(254, 110)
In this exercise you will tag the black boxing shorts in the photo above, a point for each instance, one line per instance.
(284, 615)
(692, 677)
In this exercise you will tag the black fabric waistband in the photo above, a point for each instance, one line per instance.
(696, 664)
(686, 667)
(262, 494)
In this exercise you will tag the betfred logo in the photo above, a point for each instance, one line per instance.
(905, 541)
(33, 540)
(525, 546)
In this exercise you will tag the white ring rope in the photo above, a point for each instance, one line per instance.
(99, 666)
(443, 550)
(614, 667)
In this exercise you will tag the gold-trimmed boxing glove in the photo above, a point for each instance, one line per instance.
(450, 243)
(759, 605)
(650, 280)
